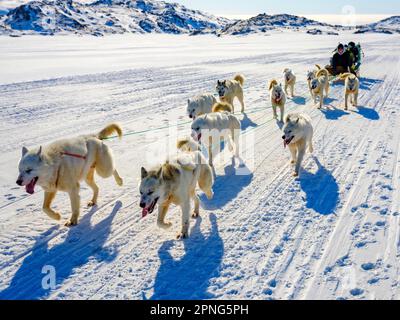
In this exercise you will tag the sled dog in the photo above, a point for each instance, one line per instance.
(319, 85)
(200, 104)
(311, 75)
(210, 128)
(351, 87)
(289, 81)
(61, 165)
(298, 134)
(229, 89)
(175, 182)
(278, 98)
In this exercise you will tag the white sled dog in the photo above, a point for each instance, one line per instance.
(351, 87)
(298, 133)
(210, 128)
(174, 182)
(278, 98)
(61, 165)
(229, 89)
(289, 81)
(200, 104)
(319, 85)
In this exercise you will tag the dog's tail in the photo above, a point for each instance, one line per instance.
(322, 72)
(343, 76)
(109, 130)
(188, 145)
(239, 78)
(272, 84)
(318, 66)
(221, 107)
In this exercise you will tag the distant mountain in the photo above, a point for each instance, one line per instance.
(264, 23)
(107, 17)
(389, 25)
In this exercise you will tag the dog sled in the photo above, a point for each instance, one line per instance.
(346, 58)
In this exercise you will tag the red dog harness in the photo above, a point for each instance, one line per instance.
(73, 155)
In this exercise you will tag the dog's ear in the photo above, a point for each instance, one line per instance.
(39, 153)
(24, 151)
(188, 101)
(224, 82)
(143, 173)
(218, 82)
(159, 171)
(297, 121)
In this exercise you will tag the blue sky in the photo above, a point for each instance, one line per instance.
(293, 6)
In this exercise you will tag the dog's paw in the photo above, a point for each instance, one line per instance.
(292, 161)
(71, 223)
(119, 181)
(164, 225)
(91, 203)
(182, 235)
(195, 215)
(295, 174)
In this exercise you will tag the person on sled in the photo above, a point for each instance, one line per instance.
(355, 56)
(341, 61)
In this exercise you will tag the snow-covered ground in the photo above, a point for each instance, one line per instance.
(333, 233)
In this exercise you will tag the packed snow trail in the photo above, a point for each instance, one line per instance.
(332, 233)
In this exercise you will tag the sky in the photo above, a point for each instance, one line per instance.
(344, 12)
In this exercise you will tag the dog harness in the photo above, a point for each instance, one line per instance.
(73, 155)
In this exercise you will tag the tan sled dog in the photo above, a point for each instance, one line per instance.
(61, 165)
(319, 85)
(289, 81)
(229, 89)
(351, 87)
(311, 75)
(278, 98)
(298, 133)
(175, 183)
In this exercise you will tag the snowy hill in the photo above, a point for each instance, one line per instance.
(389, 25)
(264, 23)
(107, 17)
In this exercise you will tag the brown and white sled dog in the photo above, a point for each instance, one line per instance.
(351, 87)
(311, 75)
(289, 81)
(229, 89)
(319, 85)
(61, 165)
(209, 129)
(278, 98)
(175, 182)
(200, 104)
(298, 133)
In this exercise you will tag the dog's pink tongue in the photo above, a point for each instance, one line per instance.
(30, 187)
(145, 211)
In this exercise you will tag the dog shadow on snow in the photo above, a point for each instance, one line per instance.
(246, 122)
(63, 257)
(235, 178)
(188, 277)
(321, 189)
(368, 113)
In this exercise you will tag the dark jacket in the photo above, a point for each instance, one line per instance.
(343, 61)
